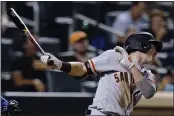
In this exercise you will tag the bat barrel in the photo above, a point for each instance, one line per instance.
(16, 19)
(23, 28)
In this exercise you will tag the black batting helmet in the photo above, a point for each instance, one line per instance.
(142, 42)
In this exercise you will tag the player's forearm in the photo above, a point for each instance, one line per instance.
(146, 88)
(77, 69)
(72, 68)
(137, 75)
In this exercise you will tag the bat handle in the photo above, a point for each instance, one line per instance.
(50, 63)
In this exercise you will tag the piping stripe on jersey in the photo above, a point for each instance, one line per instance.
(92, 67)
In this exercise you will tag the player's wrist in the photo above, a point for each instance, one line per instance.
(65, 67)
(57, 63)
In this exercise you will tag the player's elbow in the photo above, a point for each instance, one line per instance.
(146, 88)
(151, 92)
(148, 96)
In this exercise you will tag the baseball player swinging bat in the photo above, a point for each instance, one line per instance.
(23, 28)
(123, 79)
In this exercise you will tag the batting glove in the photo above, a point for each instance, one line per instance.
(47, 56)
(126, 60)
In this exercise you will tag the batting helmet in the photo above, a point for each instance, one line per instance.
(142, 42)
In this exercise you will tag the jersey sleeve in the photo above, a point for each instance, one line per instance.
(107, 61)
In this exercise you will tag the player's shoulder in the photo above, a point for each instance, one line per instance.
(112, 54)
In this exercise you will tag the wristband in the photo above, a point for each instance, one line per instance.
(66, 67)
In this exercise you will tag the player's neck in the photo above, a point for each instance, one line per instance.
(137, 58)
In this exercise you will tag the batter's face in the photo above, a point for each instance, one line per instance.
(150, 55)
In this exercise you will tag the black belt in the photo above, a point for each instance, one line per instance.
(88, 113)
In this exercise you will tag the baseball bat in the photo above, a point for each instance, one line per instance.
(23, 28)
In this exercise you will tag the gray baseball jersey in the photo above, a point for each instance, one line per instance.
(116, 91)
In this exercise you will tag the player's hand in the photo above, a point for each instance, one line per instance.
(46, 57)
(126, 60)
(39, 86)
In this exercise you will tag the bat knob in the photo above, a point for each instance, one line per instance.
(50, 63)
(10, 10)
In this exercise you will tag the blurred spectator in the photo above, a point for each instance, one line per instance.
(28, 71)
(81, 50)
(4, 18)
(130, 21)
(167, 82)
(160, 31)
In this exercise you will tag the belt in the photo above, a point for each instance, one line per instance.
(88, 113)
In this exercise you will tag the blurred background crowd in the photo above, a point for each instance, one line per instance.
(78, 31)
